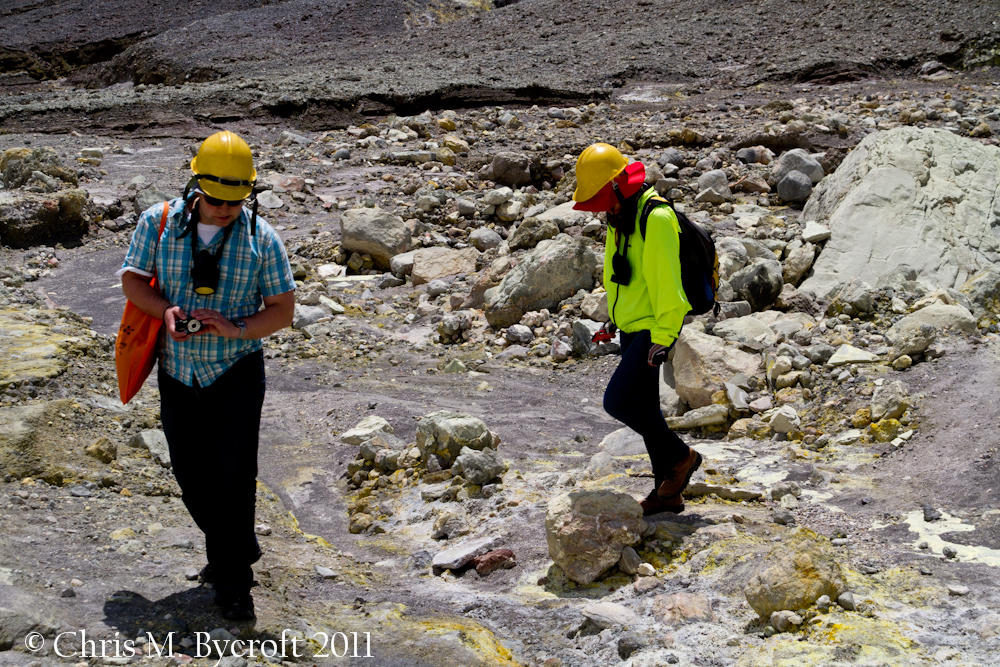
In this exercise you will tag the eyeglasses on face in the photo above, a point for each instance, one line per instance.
(212, 201)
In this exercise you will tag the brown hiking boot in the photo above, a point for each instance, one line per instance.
(678, 477)
(654, 503)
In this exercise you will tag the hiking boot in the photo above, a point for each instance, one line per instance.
(678, 477)
(654, 503)
(208, 574)
(236, 608)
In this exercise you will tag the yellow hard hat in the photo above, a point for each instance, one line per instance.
(597, 165)
(223, 167)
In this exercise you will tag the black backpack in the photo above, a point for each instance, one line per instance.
(699, 262)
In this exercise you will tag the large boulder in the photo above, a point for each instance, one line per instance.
(794, 574)
(443, 435)
(554, 270)
(930, 187)
(702, 365)
(914, 333)
(28, 219)
(434, 263)
(375, 232)
(587, 530)
(27, 166)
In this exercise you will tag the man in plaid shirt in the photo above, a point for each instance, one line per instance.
(225, 283)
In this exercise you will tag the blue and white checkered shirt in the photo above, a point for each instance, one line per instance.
(250, 268)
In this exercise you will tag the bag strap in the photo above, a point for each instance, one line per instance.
(159, 235)
(648, 207)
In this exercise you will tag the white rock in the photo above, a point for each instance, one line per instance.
(848, 354)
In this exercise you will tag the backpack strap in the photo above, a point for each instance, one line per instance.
(648, 207)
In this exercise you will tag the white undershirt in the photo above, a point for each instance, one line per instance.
(205, 232)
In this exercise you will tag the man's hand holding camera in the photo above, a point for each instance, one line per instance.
(180, 325)
(214, 322)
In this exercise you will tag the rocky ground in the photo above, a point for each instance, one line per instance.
(900, 486)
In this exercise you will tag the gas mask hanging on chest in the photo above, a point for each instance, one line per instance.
(623, 223)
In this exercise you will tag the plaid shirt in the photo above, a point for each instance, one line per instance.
(251, 268)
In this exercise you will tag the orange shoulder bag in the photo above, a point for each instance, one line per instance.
(138, 335)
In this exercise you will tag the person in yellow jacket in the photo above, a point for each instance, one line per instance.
(646, 303)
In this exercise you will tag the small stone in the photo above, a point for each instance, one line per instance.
(494, 560)
(931, 514)
(823, 602)
(630, 561)
(262, 529)
(70, 593)
(846, 601)
(325, 572)
(646, 570)
(784, 518)
(191, 574)
(785, 620)
(103, 450)
(949, 552)
(628, 644)
(958, 590)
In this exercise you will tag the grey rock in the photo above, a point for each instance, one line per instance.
(797, 159)
(484, 238)
(586, 531)
(269, 200)
(155, 442)
(717, 181)
(889, 188)
(513, 169)
(443, 434)
(794, 187)
(479, 466)
(307, 315)
(916, 332)
(374, 232)
(846, 601)
(554, 270)
(530, 232)
(630, 561)
(518, 333)
(759, 283)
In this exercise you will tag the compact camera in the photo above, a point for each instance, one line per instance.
(190, 325)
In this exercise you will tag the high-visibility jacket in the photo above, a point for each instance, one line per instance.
(654, 298)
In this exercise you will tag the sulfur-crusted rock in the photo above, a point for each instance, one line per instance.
(794, 574)
(587, 530)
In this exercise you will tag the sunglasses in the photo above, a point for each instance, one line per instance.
(212, 201)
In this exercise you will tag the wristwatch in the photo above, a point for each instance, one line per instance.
(242, 325)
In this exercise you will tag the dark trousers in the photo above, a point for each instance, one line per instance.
(212, 434)
(633, 398)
